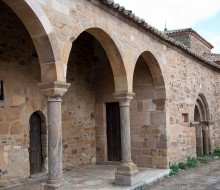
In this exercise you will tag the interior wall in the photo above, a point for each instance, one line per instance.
(83, 108)
(148, 138)
(20, 72)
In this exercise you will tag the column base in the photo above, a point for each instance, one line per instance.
(125, 175)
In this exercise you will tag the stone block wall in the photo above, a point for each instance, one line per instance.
(197, 46)
(78, 107)
(20, 72)
(187, 79)
(148, 135)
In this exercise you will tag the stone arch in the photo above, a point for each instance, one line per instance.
(148, 114)
(109, 42)
(201, 117)
(44, 137)
(156, 73)
(42, 34)
(202, 108)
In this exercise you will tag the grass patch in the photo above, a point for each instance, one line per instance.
(203, 160)
(182, 166)
(174, 170)
(191, 162)
(216, 152)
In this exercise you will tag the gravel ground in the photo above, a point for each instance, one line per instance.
(204, 177)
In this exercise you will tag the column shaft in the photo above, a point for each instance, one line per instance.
(55, 174)
(125, 134)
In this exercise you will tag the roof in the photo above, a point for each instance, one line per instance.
(188, 30)
(212, 57)
(130, 16)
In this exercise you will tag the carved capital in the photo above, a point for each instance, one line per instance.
(54, 90)
(124, 98)
(194, 124)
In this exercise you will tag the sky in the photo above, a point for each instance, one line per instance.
(201, 15)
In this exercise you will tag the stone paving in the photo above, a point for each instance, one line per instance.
(96, 178)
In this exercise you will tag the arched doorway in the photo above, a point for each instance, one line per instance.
(35, 150)
(201, 117)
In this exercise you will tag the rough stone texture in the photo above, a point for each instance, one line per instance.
(20, 72)
(193, 42)
(166, 79)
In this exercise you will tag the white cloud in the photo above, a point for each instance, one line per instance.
(213, 38)
(177, 13)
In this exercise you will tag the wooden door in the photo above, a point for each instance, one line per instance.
(35, 151)
(113, 131)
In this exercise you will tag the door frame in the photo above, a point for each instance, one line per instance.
(44, 143)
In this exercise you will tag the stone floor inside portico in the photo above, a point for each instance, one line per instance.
(99, 177)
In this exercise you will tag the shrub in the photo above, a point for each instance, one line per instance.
(191, 162)
(216, 152)
(182, 166)
(174, 170)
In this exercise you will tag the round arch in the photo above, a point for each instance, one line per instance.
(201, 108)
(156, 73)
(38, 25)
(110, 44)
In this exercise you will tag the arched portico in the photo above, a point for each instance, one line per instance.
(43, 36)
(109, 41)
(148, 115)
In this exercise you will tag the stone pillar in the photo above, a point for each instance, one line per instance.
(199, 140)
(123, 175)
(205, 131)
(54, 92)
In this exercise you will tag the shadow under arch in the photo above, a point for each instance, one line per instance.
(42, 140)
(38, 26)
(202, 108)
(114, 56)
(201, 118)
(148, 110)
(156, 73)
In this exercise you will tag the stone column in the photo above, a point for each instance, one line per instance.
(205, 131)
(54, 92)
(123, 175)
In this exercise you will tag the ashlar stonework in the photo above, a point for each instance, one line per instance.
(65, 60)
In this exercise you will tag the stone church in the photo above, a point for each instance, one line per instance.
(86, 82)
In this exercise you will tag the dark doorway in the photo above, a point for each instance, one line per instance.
(35, 150)
(113, 131)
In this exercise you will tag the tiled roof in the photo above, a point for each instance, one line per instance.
(128, 14)
(212, 57)
(173, 32)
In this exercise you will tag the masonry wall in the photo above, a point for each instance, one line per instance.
(187, 79)
(182, 74)
(20, 73)
(78, 107)
(198, 46)
(92, 85)
(147, 133)
(84, 114)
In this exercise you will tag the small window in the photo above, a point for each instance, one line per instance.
(185, 117)
(1, 91)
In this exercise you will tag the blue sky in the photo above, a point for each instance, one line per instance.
(201, 15)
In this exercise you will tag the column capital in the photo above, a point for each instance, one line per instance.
(124, 98)
(54, 89)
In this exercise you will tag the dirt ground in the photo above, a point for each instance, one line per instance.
(204, 177)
